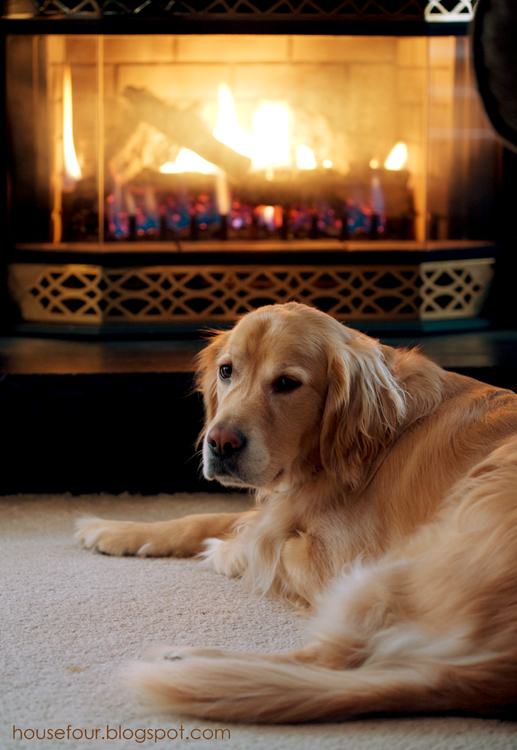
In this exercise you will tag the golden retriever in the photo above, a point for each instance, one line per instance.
(386, 502)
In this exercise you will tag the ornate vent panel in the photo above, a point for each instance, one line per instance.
(90, 294)
(454, 289)
(451, 11)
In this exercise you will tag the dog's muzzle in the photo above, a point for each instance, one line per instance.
(225, 446)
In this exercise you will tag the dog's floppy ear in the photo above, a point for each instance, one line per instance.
(206, 372)
(363, 407)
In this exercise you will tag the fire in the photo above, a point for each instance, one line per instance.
(270, 215)
(397, 157)
(227, 128)
(270, 137)
(72, 171)
(188, 161)
(305, 158)
(268, 145)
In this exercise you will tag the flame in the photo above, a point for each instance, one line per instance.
(271, 216)
(377, 196)
(270, 137)
(397, 157)
(305, 158)
(227, 128)
(72, 168)
(268, 145)
(188, 161)
(222, 193)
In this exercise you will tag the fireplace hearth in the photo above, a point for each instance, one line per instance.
(253, 153)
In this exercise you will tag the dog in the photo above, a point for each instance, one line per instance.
(386, 495)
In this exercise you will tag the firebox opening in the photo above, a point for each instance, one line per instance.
(216, 138)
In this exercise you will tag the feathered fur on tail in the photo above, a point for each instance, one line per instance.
(246, 688)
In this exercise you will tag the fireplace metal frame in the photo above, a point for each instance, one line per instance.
(416, 297)
(373, 17)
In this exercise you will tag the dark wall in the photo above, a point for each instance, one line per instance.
(100, 433)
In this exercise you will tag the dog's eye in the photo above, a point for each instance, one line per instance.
(225, 372)
(285, 384)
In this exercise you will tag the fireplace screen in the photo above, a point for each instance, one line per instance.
(214, 138)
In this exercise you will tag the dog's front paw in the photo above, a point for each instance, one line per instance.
(113, 537)
(225, 556)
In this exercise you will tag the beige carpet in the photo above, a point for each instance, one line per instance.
(71, 619)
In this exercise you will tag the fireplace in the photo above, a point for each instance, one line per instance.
(253, 153)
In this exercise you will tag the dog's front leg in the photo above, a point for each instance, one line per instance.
(302, 561)
(182, 537)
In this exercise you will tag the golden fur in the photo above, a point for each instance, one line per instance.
(387, 503)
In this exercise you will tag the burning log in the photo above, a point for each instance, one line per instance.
(189, 130)
(290, 186)
(147, 148)
(310, 186)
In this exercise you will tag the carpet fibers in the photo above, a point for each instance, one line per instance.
(71, 619)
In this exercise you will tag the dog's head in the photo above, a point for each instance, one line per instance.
(289, 392)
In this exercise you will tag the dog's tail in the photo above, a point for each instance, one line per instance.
(245, 688)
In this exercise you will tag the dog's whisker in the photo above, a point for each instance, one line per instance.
(197, 455)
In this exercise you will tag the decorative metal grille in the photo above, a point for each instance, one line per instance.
(447, 11)
(432, 11)
(454, 289)
(163, 294)
(252, 10)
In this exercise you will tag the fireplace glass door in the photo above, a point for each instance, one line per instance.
(218, 139)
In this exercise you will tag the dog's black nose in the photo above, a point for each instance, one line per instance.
(224, 441)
